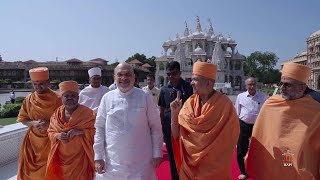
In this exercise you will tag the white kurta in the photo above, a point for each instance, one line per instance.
(91, 97)
(128, 135)
(154, 92)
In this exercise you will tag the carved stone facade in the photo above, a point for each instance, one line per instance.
(205, 47)
(311, 58)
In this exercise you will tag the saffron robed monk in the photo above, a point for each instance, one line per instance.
(71, 134)
(35, 113)
(285, 139)
(205, 129)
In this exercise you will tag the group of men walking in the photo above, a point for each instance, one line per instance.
(118, 134)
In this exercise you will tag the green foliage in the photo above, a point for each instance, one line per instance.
(261, 65)
(142, 58)
(114, 64)
(19, 100)
(10, 110)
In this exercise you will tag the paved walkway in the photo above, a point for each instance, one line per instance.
(9, 172)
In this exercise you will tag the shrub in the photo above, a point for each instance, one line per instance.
(19, 100)
(10, 110)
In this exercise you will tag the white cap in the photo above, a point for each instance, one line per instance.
(94, 71)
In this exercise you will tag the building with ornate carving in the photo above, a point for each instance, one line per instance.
(311, 58)
(206, 47)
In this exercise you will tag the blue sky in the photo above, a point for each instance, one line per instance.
(86, 29)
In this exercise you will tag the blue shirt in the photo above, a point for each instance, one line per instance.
(167, 95)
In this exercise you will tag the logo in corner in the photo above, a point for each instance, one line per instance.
(287, 158)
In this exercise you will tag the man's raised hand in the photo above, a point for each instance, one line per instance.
(176, 105)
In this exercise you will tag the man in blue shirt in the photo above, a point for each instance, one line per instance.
(167, 95)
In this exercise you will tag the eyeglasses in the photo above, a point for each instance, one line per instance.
(172, 73)
(288, 85)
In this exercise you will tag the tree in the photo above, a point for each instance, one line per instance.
(261, 65)
(142, 58)
(272, 76)
(114, 64)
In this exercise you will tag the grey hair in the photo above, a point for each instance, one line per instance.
(124, 64)
(250, 78)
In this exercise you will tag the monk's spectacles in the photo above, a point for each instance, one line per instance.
(288, 85)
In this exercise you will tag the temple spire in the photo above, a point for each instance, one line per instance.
(186, 30)
(210, 32)
(198, 25)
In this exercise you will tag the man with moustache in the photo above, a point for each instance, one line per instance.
(71, 134)
(167, 95)
(152, 89)
(248, 105)
(35, 113)
(128, 139)
(92, 95)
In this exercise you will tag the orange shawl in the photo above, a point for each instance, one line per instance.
(74, 159)
(35, 145)
(285, 140)
(208, 138)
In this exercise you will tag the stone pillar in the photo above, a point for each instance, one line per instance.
(228, 70)
(165, 80)
(241, 66)
(234, 65)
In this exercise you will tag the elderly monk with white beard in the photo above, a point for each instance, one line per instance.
(285, 139)
(71, 133)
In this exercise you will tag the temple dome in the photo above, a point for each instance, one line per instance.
(315, 33)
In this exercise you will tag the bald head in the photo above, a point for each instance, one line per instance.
(124, 77)
(251, 85)
(250, 79)
(123, 66)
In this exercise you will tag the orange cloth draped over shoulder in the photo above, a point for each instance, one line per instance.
(35, 145)
(207, 138)
(74, 159)
(285, 140)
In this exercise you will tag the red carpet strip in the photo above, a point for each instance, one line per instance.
(163, 172)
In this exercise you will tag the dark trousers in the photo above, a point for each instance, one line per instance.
(173, 168)
(243, 144)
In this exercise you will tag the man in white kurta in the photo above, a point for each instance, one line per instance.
(128, 139)
(92, 95)
(151, 89)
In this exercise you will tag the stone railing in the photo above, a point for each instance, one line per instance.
(11, 137)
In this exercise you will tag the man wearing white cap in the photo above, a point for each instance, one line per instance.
(92, 95)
